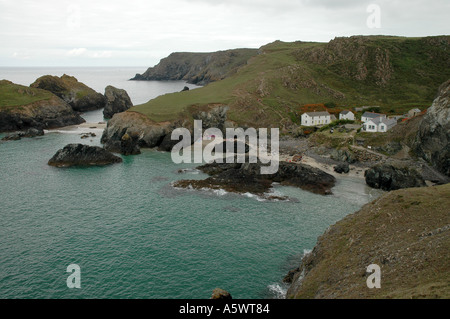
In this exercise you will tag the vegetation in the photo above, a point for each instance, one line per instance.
(14, 95)
(393, 72)
(404, 232)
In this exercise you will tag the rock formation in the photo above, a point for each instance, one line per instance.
(83, 155)
(79, 96)
(220, 294)
(433, 139)
(28, 108)
(30, 133)
(117, 101)
(389, 177)
(247, 178)
(198, 68)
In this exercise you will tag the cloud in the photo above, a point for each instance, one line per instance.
(76, 52)
(140, 32)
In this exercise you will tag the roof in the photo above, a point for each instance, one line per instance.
(382, 120)
(313, 114)
(345, 112)
(372, 115)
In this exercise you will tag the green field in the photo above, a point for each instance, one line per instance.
(13, 95)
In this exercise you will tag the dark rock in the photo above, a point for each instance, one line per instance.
(117, 101)
(433, 139)
(185, 89)
(30, 133)
(220, 294)
(247, 178)
(129, 145)
(343, 156)
(391, 148)
(388, 177)
(342, 168)
(83, 155)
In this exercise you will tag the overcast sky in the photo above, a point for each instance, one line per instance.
(141, 32)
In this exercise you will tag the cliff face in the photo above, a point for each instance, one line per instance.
(405, 232)
(79, 96)
(198, 68)
(433, 139)
(26, 108)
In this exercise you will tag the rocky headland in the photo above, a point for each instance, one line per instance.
(198, 68)
(22, 108)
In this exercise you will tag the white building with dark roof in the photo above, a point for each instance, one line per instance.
(379, 125)
(369, 116)
(316, 118)
(347, 115)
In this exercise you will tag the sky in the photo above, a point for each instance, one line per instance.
(141, 32)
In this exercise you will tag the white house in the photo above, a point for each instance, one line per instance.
(347, 115)
(316, 118)
(379, 125)
(369, 116)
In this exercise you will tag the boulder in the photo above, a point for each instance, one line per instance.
(220, 294)
(389, 177)
(342, 168)
(79, 96)
(343, 156)
(129, 145)
(117, 101)
(83, 155)
(185, 89)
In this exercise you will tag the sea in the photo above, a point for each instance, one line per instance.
(132, 234)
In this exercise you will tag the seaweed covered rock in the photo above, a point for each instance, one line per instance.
(83, 155)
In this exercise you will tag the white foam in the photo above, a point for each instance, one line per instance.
(278, 291)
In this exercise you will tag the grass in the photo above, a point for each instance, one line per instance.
(14, 95)
(403, 232)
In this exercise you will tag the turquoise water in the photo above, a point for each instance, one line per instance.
(132, 234)
(135, 236)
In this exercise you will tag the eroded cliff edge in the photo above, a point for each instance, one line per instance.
(405, 232)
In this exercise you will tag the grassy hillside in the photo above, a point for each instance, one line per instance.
(14, 95)
(393, 72)
(405, 232)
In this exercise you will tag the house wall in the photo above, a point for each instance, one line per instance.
(349, 116)
(317, 120)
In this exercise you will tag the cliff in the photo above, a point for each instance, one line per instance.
(405, 232)
(22, 108)
(432, 142)
(198, 68)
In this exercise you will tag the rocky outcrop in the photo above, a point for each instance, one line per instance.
(143, 132)
(389, 177)
(198, 68)
(343, 156)
(405, 232)
(33, 108)
(79, 96)
(117, 101)
(247, 178)
(149, 134)
(220, 294)
(83, 155)
(30, 133)
(432, 142)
